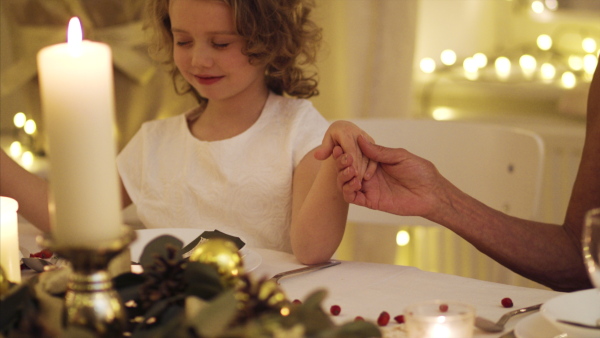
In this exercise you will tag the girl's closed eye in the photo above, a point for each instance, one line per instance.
(220, 45)
(183, 43)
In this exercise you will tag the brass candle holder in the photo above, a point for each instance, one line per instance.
(91, 302)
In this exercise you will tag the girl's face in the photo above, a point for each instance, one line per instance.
(207, 51)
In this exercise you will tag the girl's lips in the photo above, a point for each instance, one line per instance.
(208, 80)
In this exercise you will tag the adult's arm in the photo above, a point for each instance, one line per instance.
(29, 190)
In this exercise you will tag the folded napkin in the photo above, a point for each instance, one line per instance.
(206, 235)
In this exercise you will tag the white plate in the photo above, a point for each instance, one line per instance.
(251, 258)
(580, 306)
(535, 326)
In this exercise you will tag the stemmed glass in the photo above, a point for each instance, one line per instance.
(591, 245)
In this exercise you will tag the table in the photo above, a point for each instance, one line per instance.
(367, 289)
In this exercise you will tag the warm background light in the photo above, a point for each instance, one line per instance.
(448, 57)
(568, 80)
(19, 119)
(590, 62)
(544, 42)
(575, 62)
(551, 4)
(443, 113)
(547, 71)
(537, 7)
(503, 66)
(589, 45)
(427, 65)
(15, 149)
(528, 65)
(30, 127)
(480, 59)
(402, 238)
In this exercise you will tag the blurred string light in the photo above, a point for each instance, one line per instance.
(568, 80)
(471, 68)
(448, 57)
(589, 45)
(30, 127)
(27, 159)
(547, 72)
(528, 65)
(551, 4)
(590, 62)
(427, 65)
(402, 238)
(544, 42)
(503, 67)
(480, 59)
(575, 62)
(19, 119)
(443, 113)
(537, 7)
(15, 149)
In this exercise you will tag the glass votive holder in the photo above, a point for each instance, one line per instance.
(439, 319)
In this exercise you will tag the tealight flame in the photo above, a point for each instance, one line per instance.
(74, 35)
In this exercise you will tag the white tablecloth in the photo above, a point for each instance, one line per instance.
(367, 289)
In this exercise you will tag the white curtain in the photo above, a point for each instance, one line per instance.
(367, 57)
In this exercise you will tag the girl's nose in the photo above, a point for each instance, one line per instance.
(202, 57)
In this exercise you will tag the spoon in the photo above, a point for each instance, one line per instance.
(489, 326)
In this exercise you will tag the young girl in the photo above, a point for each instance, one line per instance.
(243, 161)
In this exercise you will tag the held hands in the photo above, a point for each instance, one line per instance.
(341, 139)
(402, 184)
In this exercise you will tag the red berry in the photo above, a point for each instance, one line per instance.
(443, 307)
(384, 319)
(335, 310)
(297, 301)
(507, 302)
(359, 319)
(399, 319)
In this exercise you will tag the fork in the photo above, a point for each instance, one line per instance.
(313, 267)
(489, 326)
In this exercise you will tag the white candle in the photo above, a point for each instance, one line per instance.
(77, 94)
(10, 258)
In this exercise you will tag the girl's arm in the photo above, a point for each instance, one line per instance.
(318, 210)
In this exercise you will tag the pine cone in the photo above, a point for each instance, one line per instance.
(164, 279)
(257, 298)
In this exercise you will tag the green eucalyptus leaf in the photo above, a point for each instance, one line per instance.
(158, 246)
(216, 316)
(13, 305)
(203, 280)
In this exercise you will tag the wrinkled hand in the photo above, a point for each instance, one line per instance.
(342, 135)
(403, 183)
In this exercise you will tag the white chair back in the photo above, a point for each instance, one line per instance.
(499, 165)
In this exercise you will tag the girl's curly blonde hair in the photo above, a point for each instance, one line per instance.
(277, 32)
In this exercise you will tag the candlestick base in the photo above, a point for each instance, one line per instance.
(91, 302)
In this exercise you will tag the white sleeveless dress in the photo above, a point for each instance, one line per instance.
(241, 186)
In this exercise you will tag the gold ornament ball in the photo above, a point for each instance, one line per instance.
(224, 256)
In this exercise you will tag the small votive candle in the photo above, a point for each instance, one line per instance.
(10, 258)
(439, 319)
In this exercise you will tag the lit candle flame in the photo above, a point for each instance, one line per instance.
(74, 36)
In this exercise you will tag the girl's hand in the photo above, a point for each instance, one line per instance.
(344, 135)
